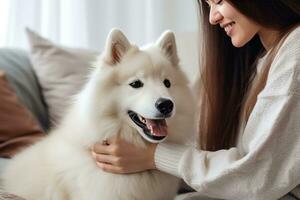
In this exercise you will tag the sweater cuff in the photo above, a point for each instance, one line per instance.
(168, 156)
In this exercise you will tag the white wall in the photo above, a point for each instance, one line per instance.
(86, 23)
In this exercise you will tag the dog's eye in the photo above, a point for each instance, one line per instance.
(136, 84)
(167, 83)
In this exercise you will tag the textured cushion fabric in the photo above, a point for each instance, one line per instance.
(6, 196)
(18, 128)
(61, 72)
(19, 73)
(192, 196)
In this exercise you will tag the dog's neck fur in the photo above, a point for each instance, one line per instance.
(111, 123)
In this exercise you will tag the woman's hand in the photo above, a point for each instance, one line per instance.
(115, 155)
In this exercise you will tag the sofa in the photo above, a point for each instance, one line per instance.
(40, 82)
(23, 83)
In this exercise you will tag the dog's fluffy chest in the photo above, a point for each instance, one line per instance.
(100, 185)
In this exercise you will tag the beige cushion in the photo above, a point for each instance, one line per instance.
(18, 128)
(61, 72)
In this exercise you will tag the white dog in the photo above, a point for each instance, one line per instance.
(140, 94)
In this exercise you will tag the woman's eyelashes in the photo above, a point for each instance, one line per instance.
(207, 3)
(219, 2)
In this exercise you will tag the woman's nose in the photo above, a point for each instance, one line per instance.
(214, 16)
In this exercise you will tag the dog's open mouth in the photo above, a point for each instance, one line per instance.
(154, 129)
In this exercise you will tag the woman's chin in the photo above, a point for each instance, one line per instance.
(237, 43)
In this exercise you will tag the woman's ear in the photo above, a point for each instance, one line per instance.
(168, 45)
(116, 47)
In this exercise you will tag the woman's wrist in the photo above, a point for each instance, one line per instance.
(150, 156)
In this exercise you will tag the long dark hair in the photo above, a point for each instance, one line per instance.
(227, 71)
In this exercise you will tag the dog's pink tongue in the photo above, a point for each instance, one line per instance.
(157, 127)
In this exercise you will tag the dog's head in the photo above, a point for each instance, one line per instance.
(142, 87)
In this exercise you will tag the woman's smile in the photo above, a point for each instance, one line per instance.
(228, 27)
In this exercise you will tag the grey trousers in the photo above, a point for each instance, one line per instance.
(197, 196)
(192, 196)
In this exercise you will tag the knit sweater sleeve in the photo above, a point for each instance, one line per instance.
(269, 165)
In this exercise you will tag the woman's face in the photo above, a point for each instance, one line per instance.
(236, 25)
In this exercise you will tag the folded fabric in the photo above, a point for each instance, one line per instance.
(18, 127)
(6, 196)
(22, 79)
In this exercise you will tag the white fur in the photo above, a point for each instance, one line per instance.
(60, 166)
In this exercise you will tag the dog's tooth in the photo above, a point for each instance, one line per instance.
(140, 118)
(151, 129)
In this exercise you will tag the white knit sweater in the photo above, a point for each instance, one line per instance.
(266, 163)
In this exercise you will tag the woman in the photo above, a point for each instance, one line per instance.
(249, 126)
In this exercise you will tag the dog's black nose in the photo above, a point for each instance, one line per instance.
(165, 106)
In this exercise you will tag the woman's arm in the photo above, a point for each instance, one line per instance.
(269, 165)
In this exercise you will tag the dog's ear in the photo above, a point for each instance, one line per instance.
(168, 45)
(116, 46)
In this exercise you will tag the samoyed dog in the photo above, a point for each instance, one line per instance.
(142, 95)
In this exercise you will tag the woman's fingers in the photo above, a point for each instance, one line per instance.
(103, 158)
(109, 146)
(111, 168)
(100, 148)
(106, 146)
